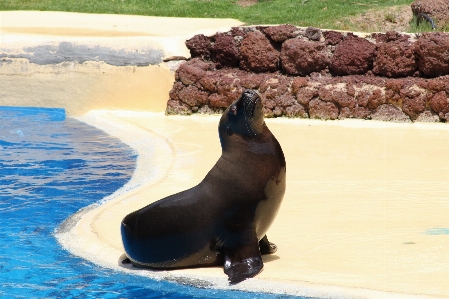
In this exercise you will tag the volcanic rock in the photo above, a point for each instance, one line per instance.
(395, 59)
(192, 96)
(313, 33)
(433, 54)
(258, 54)
(199, 46)
(333, 37)
(224, 51)
(301, 57)
(281, 33)
(322, 110)
(352, 56)
(388, 112)
(440, 105)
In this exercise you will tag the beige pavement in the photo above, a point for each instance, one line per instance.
(362, 200)
(72, 60)
(365, 211)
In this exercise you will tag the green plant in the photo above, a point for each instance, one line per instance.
(390, 18)
(318, 13)
(423, 26)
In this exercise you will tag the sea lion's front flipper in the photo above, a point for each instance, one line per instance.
(243, 262)
(266, 247)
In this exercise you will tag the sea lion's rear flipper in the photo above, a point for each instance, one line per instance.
(243, 262)
(266, 247)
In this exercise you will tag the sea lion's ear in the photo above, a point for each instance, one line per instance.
(243, 262)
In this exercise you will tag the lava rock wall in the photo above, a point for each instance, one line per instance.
(309, 73)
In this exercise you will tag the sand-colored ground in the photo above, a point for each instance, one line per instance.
(364, 203)
(365, 211)
(60, 59)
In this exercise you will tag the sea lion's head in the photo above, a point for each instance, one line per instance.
(243, 117)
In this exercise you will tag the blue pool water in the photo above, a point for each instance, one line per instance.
(50, 167)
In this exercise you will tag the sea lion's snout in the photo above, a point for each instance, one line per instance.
(250, 100)
(250, 95)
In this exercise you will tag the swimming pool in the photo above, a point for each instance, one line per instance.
(50, 167)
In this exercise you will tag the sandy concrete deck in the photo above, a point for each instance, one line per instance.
(365, 212)
(360, 219)
(89, 61)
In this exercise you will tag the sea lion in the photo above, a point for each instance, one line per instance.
(224, 219)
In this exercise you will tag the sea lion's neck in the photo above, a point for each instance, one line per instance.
(261, 143)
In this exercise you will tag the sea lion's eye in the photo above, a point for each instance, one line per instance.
(233, 110)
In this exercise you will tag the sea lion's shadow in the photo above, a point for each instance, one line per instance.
(266, 259)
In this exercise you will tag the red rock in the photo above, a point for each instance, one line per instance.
(428, 117)
(177, 107)
(201, 64)
(229, 86)
(209, 81)
(414, 98)
(174, 92)
(189, 74)
(350, 89)
(392, 91)
(268, 103)
(281, 33)
(313, 33)
(301, 57)
(240, 32)
(337, 94)
(375, 99)
(257, 54)
(305, 94)
(278, 111)
(275, 85)
(433, 54)
(389, 36)
(333, 37)
(356, 112)
(414, 106)
(440, 104)
(217, 100)
(268, 113)
(207, 110)
(388, 112)
(192, 96)
(395, 59)
(352, 56)
(299, 82)
(202, 88)
(395, 84)
(322, 110)
(224, 51)
(251, 80)
(286, 100)
(296, 110)
(438, 84)
(199, 46)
